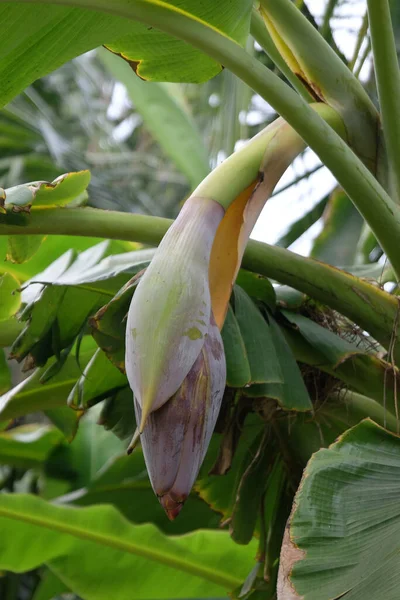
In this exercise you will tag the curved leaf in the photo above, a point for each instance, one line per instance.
(238, 372)
(356, 366)
(200, 564)
(21, 248)
(344, 536)
(38, 39)
(45, 194)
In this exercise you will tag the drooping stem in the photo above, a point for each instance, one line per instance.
(388, 83)
(360, 38)
(263, 37)
(370, 198)
(371, 308)
(363, 58)
(330, 8)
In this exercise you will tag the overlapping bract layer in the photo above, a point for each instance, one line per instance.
(175, 358)
(170, 312)
(176, 436)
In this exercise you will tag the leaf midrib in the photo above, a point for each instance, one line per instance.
(224, 580)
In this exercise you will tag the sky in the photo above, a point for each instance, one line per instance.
(285, 208)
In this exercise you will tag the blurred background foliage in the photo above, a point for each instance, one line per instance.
(94, 114)
(91, 114)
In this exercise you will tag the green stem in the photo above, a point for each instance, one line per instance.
(363, 58)
(370, 198)
(275, 145)
(388, 83)
(368, 306)
(360, 38)
(263, 37)
(325, 29)
(371, 308)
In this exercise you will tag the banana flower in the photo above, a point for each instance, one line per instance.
(175, 359)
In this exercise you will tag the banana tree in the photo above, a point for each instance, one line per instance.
(259, 386)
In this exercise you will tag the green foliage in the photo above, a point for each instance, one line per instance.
(260, 351)
(31, 395)
(44, 194)
(28, 445)
(21, 249)
(10, 295)
(291, 392)
(311, 350)
(100, 379)
(42, 31)
(123, 482)
(334, 552)
(200, 564)
(167, 121)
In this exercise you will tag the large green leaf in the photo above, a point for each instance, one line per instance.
(169, 124)
(76, 287)
(37, 39)
(200, 564)
(344, 536)
(124, 483)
